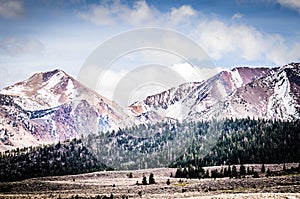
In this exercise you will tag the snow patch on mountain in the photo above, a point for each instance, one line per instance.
(281, 102)
(236, 78)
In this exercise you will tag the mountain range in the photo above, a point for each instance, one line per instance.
(53, 106)
(270, 93)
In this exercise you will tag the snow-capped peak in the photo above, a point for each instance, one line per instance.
(42, 90)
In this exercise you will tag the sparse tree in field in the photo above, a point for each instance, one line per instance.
(130, 175)
(248, 171)
(206, 174)
(268, 172)
(263, 169)
(151, 179)
(229, 171)
(168, 182)
(242, 170)
(144, 181)
(140, 193)
(178, 173)
(255, 175)
(234, 171)
(225, 173)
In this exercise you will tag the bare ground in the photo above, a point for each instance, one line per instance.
(120, 185)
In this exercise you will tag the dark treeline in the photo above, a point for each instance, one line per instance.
(246, 141)
(201, 143)
(70, 157)
(227, 171)
(233, 171)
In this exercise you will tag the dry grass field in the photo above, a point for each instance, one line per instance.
(119, 185)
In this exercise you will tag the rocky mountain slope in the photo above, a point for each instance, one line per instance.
(271, 93)
(53, 106)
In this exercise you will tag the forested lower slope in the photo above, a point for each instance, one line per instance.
(70, 157)
(246, 141)
(230, 141)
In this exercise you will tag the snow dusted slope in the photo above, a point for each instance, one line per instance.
(168, 104)
(53, 106)
(42, 90)
(275, 96)
(194, 100)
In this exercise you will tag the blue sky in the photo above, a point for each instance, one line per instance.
(42, 35)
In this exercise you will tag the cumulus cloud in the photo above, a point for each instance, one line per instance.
(244, 42)
(112, 13)
(181, 14)
(291, 4)
(11, 9)
(16, 46)
(237, 16)
(140, 14)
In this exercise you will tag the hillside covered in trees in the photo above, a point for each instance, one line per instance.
(70, 157)
(202, 143)
(246, 141)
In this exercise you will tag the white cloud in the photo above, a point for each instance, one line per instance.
(99, 15)
(237, 16)
(140, 14)
(17, 46)
(11, 9)
(112, 13)
(181, 14)
(292, 4)
(245, 43)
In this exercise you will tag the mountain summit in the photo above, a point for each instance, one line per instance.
(51, 107)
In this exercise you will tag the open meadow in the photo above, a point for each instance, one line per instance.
(123, 184)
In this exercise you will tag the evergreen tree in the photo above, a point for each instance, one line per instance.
(206, 174)
(229, 171)
(168, 182)
(151, 179)
(178, 173)
(263, 169)
(234, 171)
(242, 170)
(144, 181)
(248, 171)
(268, 172)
